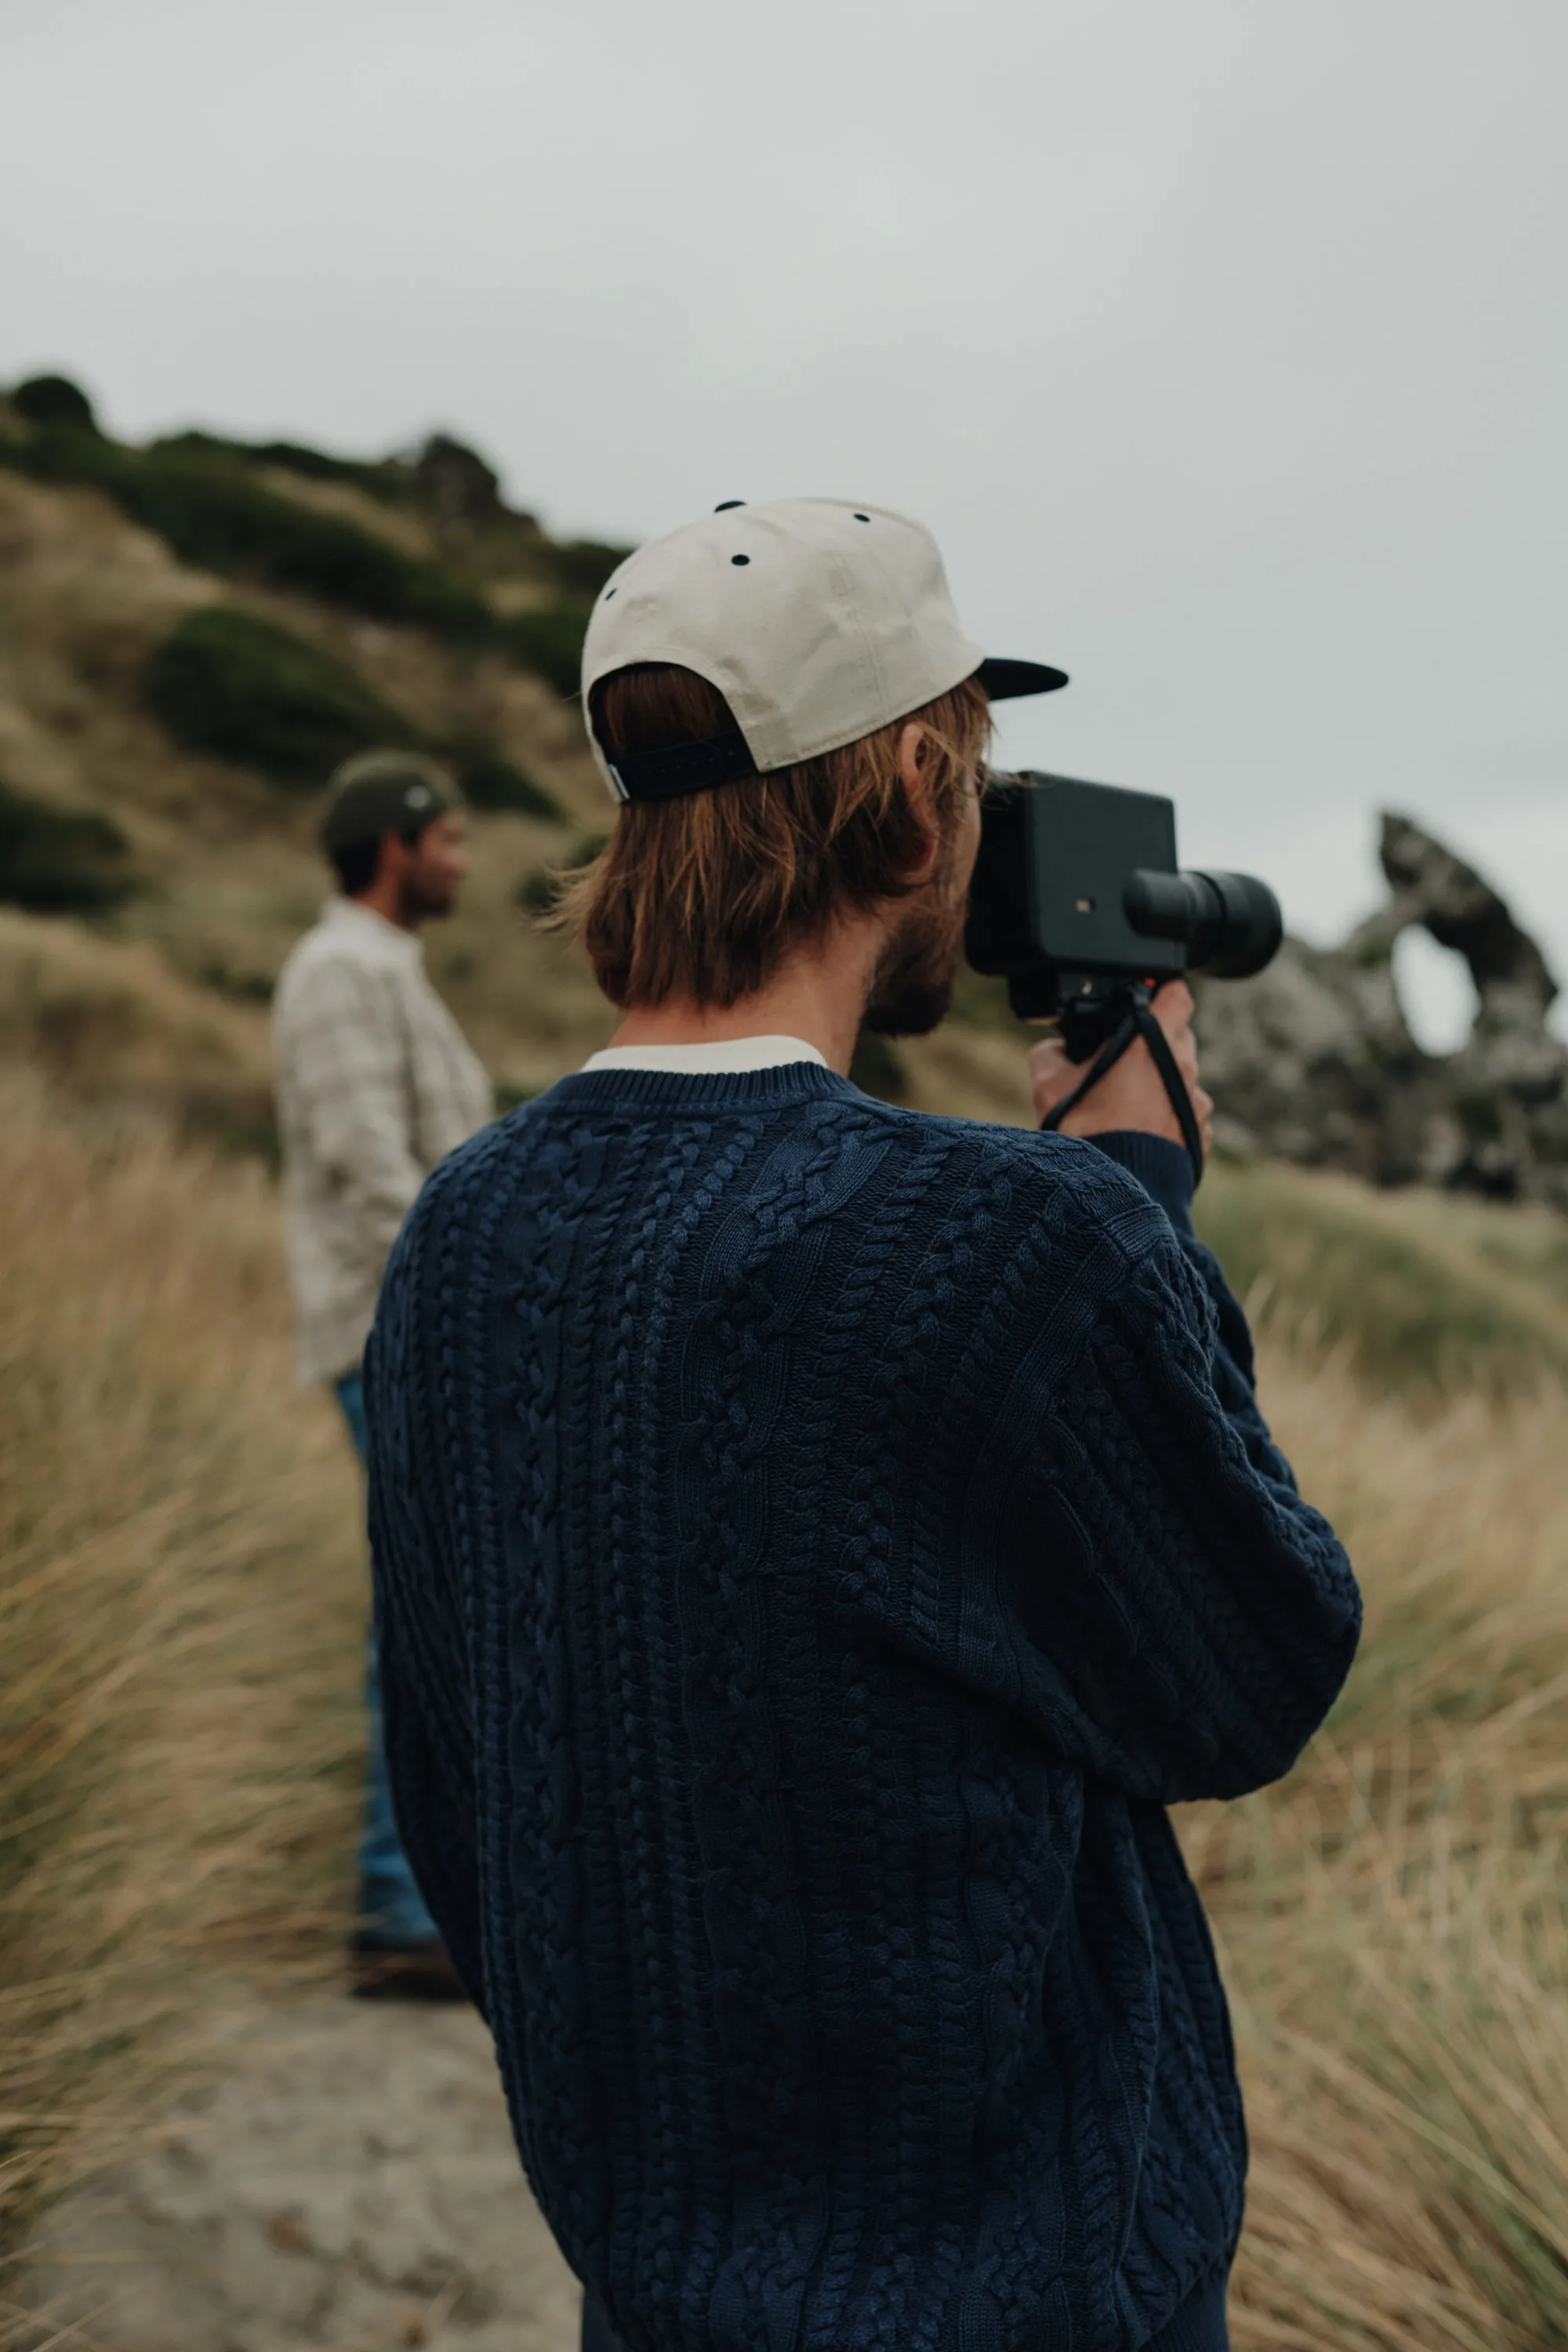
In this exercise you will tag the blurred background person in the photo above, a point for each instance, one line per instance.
(375, 1084)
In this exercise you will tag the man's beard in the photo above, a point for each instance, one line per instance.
(418, 903)
(911, 993)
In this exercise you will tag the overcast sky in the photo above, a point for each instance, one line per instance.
(1223, 343)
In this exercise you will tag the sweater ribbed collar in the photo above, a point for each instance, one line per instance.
(700, 1091)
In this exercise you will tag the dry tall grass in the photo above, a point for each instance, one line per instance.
(108, 1018)
(180, 1602)
(179, 1630)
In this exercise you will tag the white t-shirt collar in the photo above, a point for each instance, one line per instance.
(730, 1054)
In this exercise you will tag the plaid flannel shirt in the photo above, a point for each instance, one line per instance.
(375, 1084)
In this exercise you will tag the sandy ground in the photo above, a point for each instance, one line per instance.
(350, 2186)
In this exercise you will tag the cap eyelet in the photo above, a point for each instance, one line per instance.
(739, 558)
(860, 518)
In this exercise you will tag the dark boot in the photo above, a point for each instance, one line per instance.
(420, 1969)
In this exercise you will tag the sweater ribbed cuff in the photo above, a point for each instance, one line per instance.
(1162, 1168)
(1200, 2325)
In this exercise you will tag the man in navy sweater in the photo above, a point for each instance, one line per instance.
(816, 1542)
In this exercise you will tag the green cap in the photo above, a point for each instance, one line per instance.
(377, 792)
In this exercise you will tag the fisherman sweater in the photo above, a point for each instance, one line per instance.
(813, 1544)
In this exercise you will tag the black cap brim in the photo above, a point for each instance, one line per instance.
(1004, 680)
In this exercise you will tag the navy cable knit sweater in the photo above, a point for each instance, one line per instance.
(813, 1544)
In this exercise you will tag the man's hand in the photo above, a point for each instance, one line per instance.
(1131, 1093)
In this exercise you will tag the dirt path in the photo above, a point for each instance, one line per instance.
(351, 2186)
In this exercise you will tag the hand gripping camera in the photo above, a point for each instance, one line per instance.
(1079, 904)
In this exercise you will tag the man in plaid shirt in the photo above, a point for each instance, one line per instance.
(375, 1084)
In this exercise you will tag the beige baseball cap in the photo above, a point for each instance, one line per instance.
(817, 620)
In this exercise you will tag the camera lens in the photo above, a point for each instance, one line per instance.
(1248, 930)
(1229, 924)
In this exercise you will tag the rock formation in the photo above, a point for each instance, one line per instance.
(1313, 1060)
(461, 491)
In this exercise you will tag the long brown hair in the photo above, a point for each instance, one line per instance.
(702, 896)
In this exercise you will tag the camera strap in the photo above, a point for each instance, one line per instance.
(1138, 1021)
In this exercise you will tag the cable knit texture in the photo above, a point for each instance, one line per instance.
(813, 1543)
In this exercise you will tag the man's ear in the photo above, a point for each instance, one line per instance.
(392, 858)
(915, 775)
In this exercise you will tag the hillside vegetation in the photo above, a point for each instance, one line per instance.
(1430, 1291)
(191, 635)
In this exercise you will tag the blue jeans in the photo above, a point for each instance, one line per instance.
(392, 1909)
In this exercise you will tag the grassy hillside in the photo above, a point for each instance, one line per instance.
(179, 699)
(1428, 1290)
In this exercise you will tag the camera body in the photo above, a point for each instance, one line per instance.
(1077, 894)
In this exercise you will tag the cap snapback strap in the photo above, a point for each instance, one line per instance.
(680, 768)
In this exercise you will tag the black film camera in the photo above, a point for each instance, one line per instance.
(1079, 904)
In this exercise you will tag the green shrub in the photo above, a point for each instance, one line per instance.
(582, 566)
(489, 781)
(58, 861)
(227, 682)
(211, 513)
(54, 399)
(548, 641)
(384, 478)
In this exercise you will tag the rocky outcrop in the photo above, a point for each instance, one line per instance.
(1314, 1061)
(462, 493)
